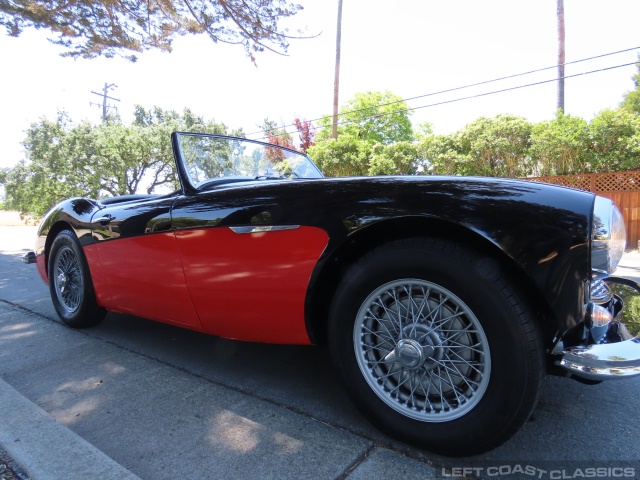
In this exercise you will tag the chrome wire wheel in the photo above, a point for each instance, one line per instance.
(68, 279)
(422, 350)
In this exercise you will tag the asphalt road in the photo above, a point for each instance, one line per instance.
(169, 403)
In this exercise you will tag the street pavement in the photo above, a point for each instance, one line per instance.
(132, 398)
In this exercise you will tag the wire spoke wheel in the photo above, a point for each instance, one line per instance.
(436, 345)
(68, 279)
(70, 282)
(422, 350)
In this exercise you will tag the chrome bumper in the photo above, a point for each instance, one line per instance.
(603, 362)
(617, 354)
(29, 257)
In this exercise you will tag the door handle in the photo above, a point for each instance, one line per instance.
(104, 221)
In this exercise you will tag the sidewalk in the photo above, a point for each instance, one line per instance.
(630, 266)
(47, 449)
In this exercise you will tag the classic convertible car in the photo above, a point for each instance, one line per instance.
(444, 301)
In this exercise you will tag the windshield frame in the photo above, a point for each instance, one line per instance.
(187, 183)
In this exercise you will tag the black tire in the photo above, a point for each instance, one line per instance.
(436, 346)
(70, 283)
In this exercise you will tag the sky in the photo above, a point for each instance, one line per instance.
(409, 47)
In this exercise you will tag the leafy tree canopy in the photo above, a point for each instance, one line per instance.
(498, 145)
(631, 99)
(560, 146)
(615, 141)
(64, 159)
(374, 117)
(446, 157)
(345, 156)
(401, 158)
(90, 28)
(501, 146)
(278, 135)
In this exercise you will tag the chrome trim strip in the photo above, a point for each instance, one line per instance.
(603, 362)
(263, 228)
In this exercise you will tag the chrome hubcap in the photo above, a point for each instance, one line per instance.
(62, 282)
(420, 346)
(408, 353)
(422, 350)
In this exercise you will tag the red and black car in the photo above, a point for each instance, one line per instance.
(444, 301)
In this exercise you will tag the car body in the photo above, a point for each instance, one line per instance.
(444, 300)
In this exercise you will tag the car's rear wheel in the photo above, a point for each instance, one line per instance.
(436, 346)
(70, 283)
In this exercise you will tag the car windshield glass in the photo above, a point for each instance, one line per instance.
(212, 157)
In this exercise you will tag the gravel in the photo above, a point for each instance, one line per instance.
(9, 469)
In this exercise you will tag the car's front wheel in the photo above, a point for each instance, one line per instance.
(436, 346)
(70, 283)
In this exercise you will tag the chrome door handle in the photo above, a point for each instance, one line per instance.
(104, 220)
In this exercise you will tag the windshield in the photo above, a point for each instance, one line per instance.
(210, 158)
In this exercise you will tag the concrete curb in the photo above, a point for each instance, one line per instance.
(46, 449)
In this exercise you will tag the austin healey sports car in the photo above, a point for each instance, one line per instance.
(444, 301)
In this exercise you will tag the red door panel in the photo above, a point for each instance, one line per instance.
(145, 278)
(251, 286)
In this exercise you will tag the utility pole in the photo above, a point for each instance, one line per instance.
(336, 82)
(104, 105)
(561, 55)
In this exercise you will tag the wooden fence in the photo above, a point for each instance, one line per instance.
(621, 187)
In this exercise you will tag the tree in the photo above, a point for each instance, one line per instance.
(276, 134)
(92, 28)
(615, 141)
(631, 99)
(560, 146)
(401, 158)
(32, 187)
(64, 159)
(423, 131)
(445, 156)
(499, 146)
(374, 117)
(345, 156)
(307, 134)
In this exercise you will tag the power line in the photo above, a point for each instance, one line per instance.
(501, 78)
(484, 82)
(510, 88)
(345, 122)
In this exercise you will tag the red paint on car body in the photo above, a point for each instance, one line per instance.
(100, 282)
(42, 267)
(143, 276)
(251, 286)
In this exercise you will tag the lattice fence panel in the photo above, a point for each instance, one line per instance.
(597, 182)
(582, 182)
(617, 182)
